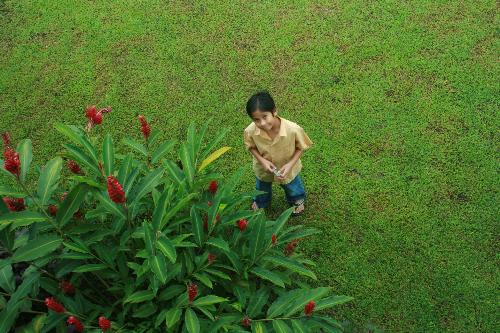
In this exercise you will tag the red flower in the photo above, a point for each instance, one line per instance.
(145, 128)
(273, 239)
(242, 224)
(290, 248)
(94, 116)
(104, 323)
(192, 292)
(309, 308)
(53, 210)
(91, 112)
(6, 139)
(53, 305)
(246, 322)
(12, 162)
(211, 258)
(14, 205)
(115, 190)
(212, 187)
(67, 287)
(72, 320)
(97, 118)
(74, 167)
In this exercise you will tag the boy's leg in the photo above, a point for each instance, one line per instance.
(295, 193)
(263, 200)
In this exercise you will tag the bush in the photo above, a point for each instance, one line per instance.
(146, 245)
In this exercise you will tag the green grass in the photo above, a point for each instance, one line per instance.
(398, 96)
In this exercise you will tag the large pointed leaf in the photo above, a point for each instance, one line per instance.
(191, 321)
(331, 301)
(197, 226)
(140, 296)
(299, 302)
(281, 327)
(48, 179)
(172, 317)
(125, 169)
(167, 248)
(257, 302)
(297, 327)
(8, 191)
(258, 327)
(109, 205)
(8, 316)
(219, 243)
(76, 135)
(221, 134)
(281, 221)
(146, 185)
(214, 156)
(37, 248)
(7, 281)
(108, 155)
(159, 267)
(178, 206)
(90, 268)
(22, 218)
(160, 208)
(162, 150)
(24, 289)
(268, 275)
(25, 151)
(136, 146)
(209, 300)
(71, 203)
(257, 239)
(82, 158)
(290, 264)
(187, 163)
(174, 171)
(149, 237)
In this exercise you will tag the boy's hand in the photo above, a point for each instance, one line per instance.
(285, 170)
(268, 165)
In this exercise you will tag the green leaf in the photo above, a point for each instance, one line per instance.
(162, 150)
(25, 151)
(8, 191)
(214, 156)
(167, 248)
(22, 218)
(110, 206)
(172, 317)
(268, 275)
(290, 264)
(221, 134)
(160, 208)
(281, 221)
(125, 169)
(76, 135)
(332, 301)
(24, 289)
(158, 266)
(174, 171)
(76, 247)
(191, 321)
(71, 203)
(187, 163)
(208, 300)
(90, 268)
(257, 238)
(197, 226)
(108, 155)
(178, 206)
(147, 184)
(38, 323)
(218, 243)
(149, 237)
(82, 158)
(257, 302)
(7, 281)
(75, 256)
(48, 179)
(298, 303)
(8, 316)
(136, 146)
(37, 248)
(204, 279)
(281, 327)
(297, 327)
(258, 327)
(140, 296)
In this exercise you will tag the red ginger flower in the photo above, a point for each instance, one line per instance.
(104, 323)
(53, 305)
(67, 287)
(91, 112)
(72, 320)
(115, 190)
(52, 210)
(192, 292)
(212, 187)
(74, 167)
(211, 258)
(145, 128)
(242, 224)
(290, 248)
(6, 139)
(12, 162)
(14, 205)
(246, 322)
(273, 239)
(309, 308)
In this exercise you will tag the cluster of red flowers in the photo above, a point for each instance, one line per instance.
(145, 128)
(242, 224)
(74, 167)
(14, 204)
(273, 239)
(52, 210)
(309, 308)
(115, 190)
(211, 258)
(94, 116)
(212, 187)
(11, 161)
(73, 321)
(67, 287)
(246, 321)
(104, 323)
(53, 305)
(290, 248)
(192, 292)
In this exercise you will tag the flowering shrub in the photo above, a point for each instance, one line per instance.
(124, 244)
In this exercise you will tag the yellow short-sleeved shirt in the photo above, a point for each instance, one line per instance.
(279, 151)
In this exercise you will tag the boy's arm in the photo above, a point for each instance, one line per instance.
(288, 166)
(268, 165)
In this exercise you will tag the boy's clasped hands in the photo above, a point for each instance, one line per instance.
(279, 173)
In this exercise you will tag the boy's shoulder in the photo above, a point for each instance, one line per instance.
(290, 124)
(250, 128)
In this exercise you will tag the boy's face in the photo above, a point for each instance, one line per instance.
(264, 119)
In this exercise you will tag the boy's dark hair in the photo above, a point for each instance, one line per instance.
(261, 101)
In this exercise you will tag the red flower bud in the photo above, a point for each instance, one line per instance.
(192, 292)
(212, 187)
(290, 248)
(52, 210)
(145, 128)
(67, 287)
(14, 205)
(74, 167)
(242, 224)
(53, 305)
(11, 161)
(309, 308)
(211, 258)
(115, 190)
(72, 320)
(273, 239)
(246, 322)
(104, 323)
(6, 139)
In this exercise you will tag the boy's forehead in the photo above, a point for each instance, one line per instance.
(259, 114)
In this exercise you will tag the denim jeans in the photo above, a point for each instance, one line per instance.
(294, 191)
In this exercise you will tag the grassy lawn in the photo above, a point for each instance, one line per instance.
(399, 98)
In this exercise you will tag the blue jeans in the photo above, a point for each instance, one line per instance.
(294, 191)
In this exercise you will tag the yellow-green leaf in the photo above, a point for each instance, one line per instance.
(215, 155)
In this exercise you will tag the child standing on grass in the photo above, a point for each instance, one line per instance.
(276, 145)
